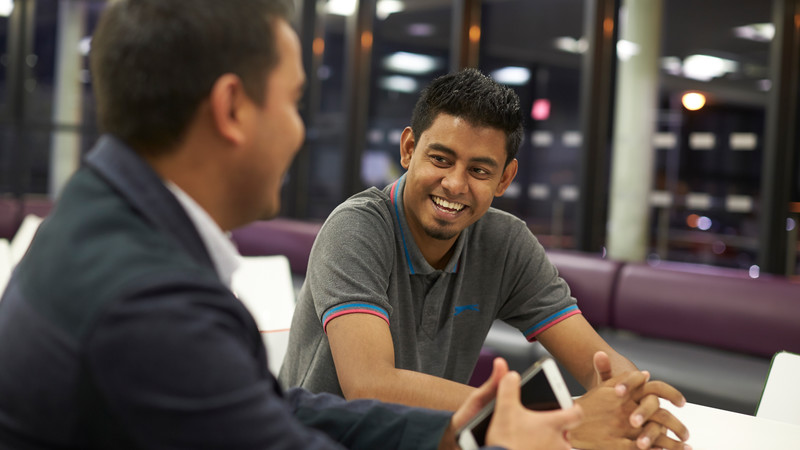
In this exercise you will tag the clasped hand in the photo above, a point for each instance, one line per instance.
(623, 412)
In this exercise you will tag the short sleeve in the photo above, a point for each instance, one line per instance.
(351, 262)
(537, 298)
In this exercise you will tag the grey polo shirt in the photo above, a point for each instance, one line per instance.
(365, 261)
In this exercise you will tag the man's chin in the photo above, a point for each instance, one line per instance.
(441, 234)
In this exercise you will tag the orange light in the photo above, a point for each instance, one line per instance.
(366, 39)
(692, 220)
(318, 46)
(608, 26)
(474, 33)
(693, 100)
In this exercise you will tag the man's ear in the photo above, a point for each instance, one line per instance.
(407, 145)
(228, 101)
(508, 176)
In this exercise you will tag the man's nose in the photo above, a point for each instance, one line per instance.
(455, 181)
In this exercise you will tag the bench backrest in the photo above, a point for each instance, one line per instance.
(279, 236)
(712, 306)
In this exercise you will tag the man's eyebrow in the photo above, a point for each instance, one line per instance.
(481, 160)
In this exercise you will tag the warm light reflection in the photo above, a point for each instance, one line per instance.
(474, 33)
(318, 46)
(693, 100)
(692, 219)
(608, 26)
(366, 39)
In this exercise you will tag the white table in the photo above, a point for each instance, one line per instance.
(712, 429)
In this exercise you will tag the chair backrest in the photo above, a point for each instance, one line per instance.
(264, 285)
(781, 397)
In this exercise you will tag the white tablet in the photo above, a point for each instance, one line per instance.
(542, 388)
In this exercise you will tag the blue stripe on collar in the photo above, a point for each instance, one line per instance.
(394, 190)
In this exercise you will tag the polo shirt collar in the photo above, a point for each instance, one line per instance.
(417, 264)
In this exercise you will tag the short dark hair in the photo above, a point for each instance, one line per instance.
(154, 61)
(471, 95)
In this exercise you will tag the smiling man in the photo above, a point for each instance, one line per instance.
(404, 283)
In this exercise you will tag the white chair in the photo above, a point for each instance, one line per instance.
(781, 397)
(5, 264)
(23, 237)
(12, 251)
(264, 285)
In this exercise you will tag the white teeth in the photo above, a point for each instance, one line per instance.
(449, 205)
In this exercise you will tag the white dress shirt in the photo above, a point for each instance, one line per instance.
(223, 253)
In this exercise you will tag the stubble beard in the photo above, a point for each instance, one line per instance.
(441, 232)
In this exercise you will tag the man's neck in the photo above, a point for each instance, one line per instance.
(437, 252)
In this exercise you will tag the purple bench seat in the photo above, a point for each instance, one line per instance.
(712, 306)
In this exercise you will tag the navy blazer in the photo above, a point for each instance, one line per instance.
(116, 332)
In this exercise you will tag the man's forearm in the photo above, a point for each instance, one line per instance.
(411, 388)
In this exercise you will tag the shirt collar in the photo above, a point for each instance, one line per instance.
(223, 253)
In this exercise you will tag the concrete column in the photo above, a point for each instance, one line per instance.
(634, 123)
(65, 146)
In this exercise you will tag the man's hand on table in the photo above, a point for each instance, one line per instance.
(623, 412)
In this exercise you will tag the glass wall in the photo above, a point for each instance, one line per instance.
(325, 136)
(707, 163)
(410, 49)
(539, 56)
(708, 155)
(48, 118)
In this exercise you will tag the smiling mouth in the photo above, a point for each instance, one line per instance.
(447, 206)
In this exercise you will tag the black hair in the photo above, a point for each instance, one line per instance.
(154, 61)
(475, 97)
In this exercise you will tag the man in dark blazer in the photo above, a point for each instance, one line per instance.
(118, 329)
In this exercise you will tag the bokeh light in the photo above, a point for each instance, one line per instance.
(693, 100)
